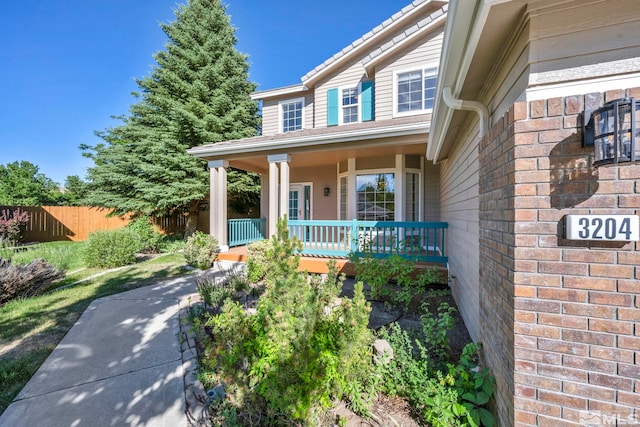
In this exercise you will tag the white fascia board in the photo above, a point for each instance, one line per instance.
(280, 91)
(310, 140)
(465, 23)
(310, 80)
(427, 28)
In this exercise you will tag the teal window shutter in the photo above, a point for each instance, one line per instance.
(368, 101)
(332, 107)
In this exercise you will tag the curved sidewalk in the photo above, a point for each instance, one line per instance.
(125, 362)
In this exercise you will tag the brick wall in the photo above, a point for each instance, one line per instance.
(574, 344)
(497, 263)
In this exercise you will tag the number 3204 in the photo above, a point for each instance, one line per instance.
(604, 228)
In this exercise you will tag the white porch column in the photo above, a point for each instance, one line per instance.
(273, 199)
(278, 200)
(284, 189)
(352, 190)
(399, 184)
(264, 195)
(218, 203)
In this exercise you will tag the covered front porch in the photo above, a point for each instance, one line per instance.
(363, 188)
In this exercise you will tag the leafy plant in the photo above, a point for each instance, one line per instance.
(200, 250)
(257, 261)
(172, 244)
(214, 292)
(61, 256)
(474, 385)
(428, 276)
(379, 273)
(12, 225)
(445, 394)
(112, 248)
(150, 237)
(436, 328)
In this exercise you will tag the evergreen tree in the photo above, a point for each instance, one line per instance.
(21, 184)
(198, 93)
(75, 190)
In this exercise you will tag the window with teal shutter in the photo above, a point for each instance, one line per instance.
(332, 107)
(368, 101)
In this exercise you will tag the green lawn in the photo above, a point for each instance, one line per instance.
(30, 328)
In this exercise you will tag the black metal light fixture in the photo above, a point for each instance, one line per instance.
(326, 191)
(614, 132)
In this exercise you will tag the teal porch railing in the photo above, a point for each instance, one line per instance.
(421, 241)
(244, 231)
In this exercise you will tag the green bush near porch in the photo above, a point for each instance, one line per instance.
(306, 347)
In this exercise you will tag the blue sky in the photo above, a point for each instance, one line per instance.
(67, 66)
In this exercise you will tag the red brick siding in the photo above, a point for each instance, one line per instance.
(559, 318)
(497, 242)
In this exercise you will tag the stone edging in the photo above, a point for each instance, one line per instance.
(197, 409)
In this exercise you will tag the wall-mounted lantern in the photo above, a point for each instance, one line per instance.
(326, 191)
(614, 132)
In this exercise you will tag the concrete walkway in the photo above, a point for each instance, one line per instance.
(126, 362)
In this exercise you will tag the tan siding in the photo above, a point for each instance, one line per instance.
(426, 52)
(349, 77)
(431, 192)
(270, 117)
(321, 177)
(270, 113)
(509, 79)
(572, 41)
(459, 207)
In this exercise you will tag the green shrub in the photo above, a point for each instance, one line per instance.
(112, 248)
(62, 257)
(149, 235)
(257, 261)
(305, 346)
(444, 394)
(172, 244)
(214, 292)
(200, 250)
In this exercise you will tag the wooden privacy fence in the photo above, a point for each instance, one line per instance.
(75, 223)
(53, 223)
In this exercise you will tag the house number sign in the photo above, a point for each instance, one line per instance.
(619, 228)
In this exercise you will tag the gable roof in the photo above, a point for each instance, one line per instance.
(394, 26)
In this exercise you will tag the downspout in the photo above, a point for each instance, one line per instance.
(459, 104)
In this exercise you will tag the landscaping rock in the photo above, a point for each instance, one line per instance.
(383, 353)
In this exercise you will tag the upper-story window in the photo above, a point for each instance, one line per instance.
(415, 90)
(350, 105)
(291, 115)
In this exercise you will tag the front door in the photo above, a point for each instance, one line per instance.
(300, 205)
(300, 201)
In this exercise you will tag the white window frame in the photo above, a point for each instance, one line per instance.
(396, 73)
(400, 211)
(358, 88)
(281, 113)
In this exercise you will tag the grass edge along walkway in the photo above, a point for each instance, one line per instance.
(30, 328)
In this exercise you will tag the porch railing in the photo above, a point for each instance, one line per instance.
(244, 231)
(421, 241)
